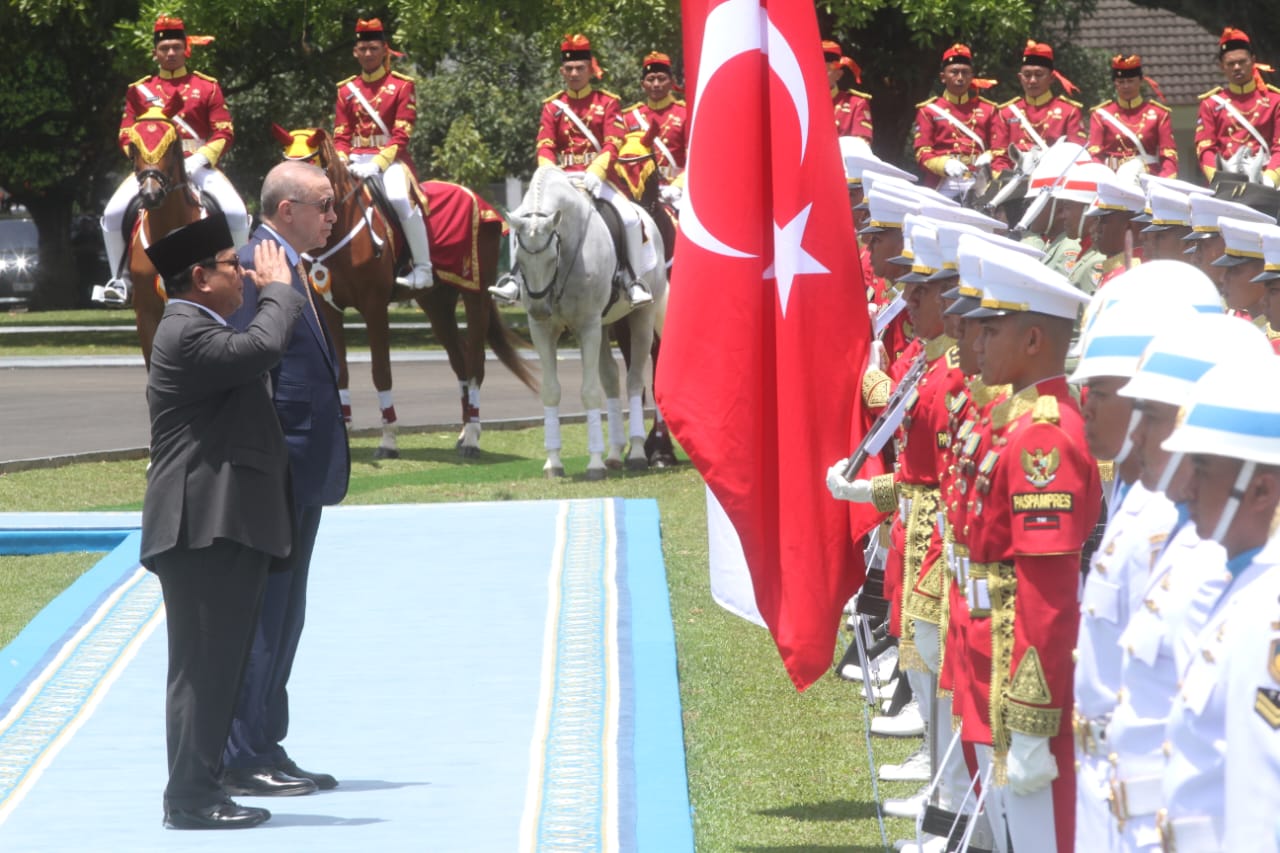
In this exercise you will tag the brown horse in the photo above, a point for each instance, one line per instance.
(357, 270)
(168, 202)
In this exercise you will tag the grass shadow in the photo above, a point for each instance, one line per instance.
(831, 810)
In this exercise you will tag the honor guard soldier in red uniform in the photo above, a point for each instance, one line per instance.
(373, 120)
(953, 130)
(661, 116)
(1035, 501)
(1033, 122)
(204, 126)
(1240, 116)
(581, 131)
(853, 108)
(1131, 127)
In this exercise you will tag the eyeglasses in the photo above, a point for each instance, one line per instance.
(324, 205)
(234, 261)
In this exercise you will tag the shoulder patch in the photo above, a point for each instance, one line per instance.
(204, 76)
(637, 105)
(347, 80)
(1075, 104)
(987, 101)
(926, 102)
(1215, 90)
(1046, 410)
(1008, 102)
(1040, 467)
(551, 98)
(864, 95)
(402, 76)
(1104, 104)
(1029, 684)
(1267, 704)
(610, 94)
(140, 80)
(953, 358)
(1155, 103)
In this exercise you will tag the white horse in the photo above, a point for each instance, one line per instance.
(567, 263)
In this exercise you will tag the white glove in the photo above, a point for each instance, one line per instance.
(591, 184)
(877, 355)
(859, 491)
(195, 162)
(954, 168)
(670, 194)
(984, 159)
(1031, 765)
(367, 169)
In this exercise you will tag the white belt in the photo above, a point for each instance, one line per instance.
(961, 571)
(1136, 797)
(977, 594)
(1188, 835)
(567, 159)
(377, 140)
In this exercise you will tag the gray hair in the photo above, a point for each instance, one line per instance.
(286, 181)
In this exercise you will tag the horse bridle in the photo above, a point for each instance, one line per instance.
(166, 185)
(555, 279)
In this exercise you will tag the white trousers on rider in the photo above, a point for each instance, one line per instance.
(639, 251)
(397, 182)
(205, 179)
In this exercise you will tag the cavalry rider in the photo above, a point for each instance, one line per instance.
(1039, 118)
(580, 131)
(661, 117)
(204, 126)
(852, 108)
(373, 120)
(1241, 115)
(953, 130)
(1132, 126)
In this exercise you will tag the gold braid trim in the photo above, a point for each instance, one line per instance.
(921, 524)
(1027, 696)
(875, 388)
(937, 347)
(1044, 722)
(884, 493)
(1002, 585)
(944, 611)
(1012, 408)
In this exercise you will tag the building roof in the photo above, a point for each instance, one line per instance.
(1179, 54)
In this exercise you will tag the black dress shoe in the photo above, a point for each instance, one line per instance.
(265, 782)
(323, 781)
(223, 815)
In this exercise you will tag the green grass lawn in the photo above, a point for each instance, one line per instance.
(769, 769)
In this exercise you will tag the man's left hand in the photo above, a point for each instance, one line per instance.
(364, 170)
(194, 163)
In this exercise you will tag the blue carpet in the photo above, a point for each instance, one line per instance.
(479, 677)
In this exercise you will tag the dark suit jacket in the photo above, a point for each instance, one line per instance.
(219, 468)
(305, 385)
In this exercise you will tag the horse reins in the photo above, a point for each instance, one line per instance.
(556, 279)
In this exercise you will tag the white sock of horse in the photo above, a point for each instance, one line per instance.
(387, 405)
(595, 432)
(473, 402)
(551, 427)
(615, 421)
(637, 416)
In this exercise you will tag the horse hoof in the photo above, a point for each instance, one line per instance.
(553, 473)
(613, 464)
(468, 452)
(386, 453)
(662, 460)
(637, 464)
(595, 474)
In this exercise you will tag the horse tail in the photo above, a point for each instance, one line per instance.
(504, 344)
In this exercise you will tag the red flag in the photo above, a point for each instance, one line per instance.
(767, 329)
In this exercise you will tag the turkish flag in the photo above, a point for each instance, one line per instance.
(767, 329)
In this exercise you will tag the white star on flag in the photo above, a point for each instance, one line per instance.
(789, 257)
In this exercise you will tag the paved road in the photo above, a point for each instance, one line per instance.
(57, 407)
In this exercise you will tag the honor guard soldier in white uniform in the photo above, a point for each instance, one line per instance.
(1185, 567)
(1222, 781)
(204, 126)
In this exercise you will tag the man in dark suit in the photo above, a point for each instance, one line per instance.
(297, 214)
(216, 510)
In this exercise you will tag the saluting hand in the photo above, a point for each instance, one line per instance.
(270, 264)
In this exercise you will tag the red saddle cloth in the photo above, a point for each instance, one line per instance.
(453, 226)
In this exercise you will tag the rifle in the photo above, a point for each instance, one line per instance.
(885, 426)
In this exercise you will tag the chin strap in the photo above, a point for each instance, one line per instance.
(1166, 476)
(1127, 447)
(1233, 501)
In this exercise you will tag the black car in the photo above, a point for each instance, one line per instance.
(19, 253)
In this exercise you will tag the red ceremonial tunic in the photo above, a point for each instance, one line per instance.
(1051, 116)
(1149, 121)
(664, 120)
(853, 113)
(562, 142)
(937, 137)
(203, 111)
(392, 97)
(1034, 503)
(1220, 134)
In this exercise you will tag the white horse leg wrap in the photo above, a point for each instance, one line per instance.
(637, 416)
(551, 427)
(473, 400)
(595, 433)
(615, 419)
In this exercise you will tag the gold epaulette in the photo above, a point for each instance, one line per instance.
(140, 80)
(346, 81)
(1046, 410)
(1271, 88)
(926, 102)
(610, 94)
(937, 347)
(204, 76)
(863, 95)
(1008, 102)
(1156, 103)
(987, 101)
(1075, 104)
(1015, 406)
(1103, 104)
(1209, 94)
(637, 105)
(551, 98)
(953, 358)
(402, 76)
